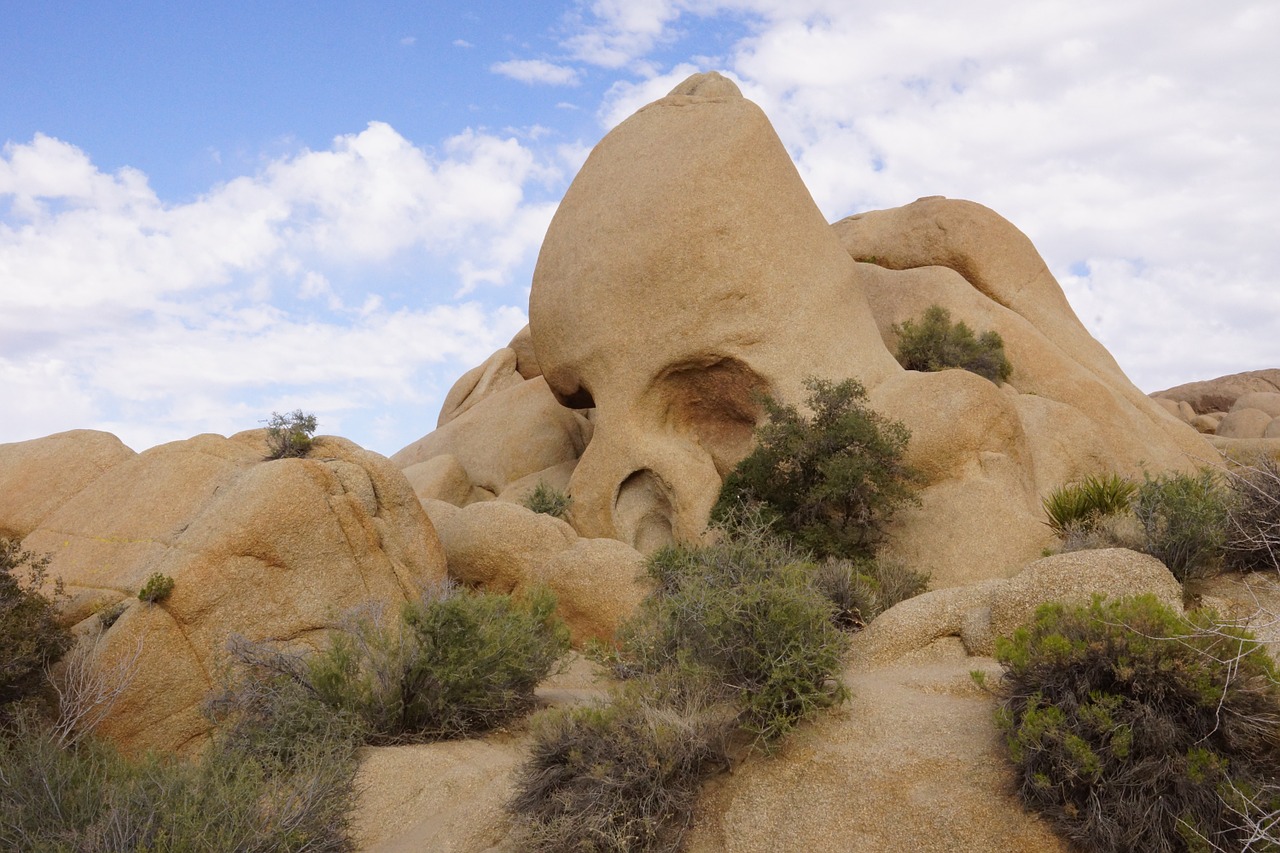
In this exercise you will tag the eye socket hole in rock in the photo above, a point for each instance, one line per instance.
(642, 511)
(717, 400)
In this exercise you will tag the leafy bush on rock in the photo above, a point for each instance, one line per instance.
(157, 588)
(1084, 504)
(30, 637)
(831, 482)
(548, 500)
(454, 663)
(1184, 517)
(290, 436)
(1135, 729)
(935, 343)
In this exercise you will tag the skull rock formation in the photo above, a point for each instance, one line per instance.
(688, 269)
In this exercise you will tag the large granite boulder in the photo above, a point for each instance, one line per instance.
(40, 475)
(687, 270)
(271, 550)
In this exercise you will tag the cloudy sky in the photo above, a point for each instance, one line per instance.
(210, 214)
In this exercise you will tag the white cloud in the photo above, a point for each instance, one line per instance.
(159, 321)
(622, 31)
(1138, 136)
(409, 41)
(462, 43)
(536, 71)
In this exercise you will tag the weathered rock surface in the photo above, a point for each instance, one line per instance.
(913, 763)
(1244, 423)
(978, 613)
(513, 428)
(504, 547)
(1264, 401)
(38, 476)
(269, 550)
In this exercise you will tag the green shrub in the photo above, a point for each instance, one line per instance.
(290, 435)
(548, 500)
(157, 588)
(1184, 518)
(617, 777)
(862, 590)
(830, 482)
(935, 343)
(1084, 504)
(455, 663)
(237, 796)
(747, 613)
(734, 645)
(1135, 729)
(1253, 523)
(30, 637)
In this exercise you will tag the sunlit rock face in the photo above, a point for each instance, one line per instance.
(688, 269)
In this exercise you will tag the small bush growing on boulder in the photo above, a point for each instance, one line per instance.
(1184, 517)
(548, 500)
(290, 435)
(935, 343)
(455, 663)
(831, 482)
(30, 637)
(157, 588)
(1135, 729)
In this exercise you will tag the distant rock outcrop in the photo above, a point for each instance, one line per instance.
(266, 549)
(1240, 413)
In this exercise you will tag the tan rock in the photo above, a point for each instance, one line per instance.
(507, 435)
(38, 476)
(504, 547)
(268, 550)
(1244, 423)
(671, 288)
(526, 358)
(1218, 395)
(913, 764)
(556, 477)
(1273, 429)
(980, 612)
(500, 545)
(598, 583)
(1266, 401)
(444, 797)
(496, 373)
(443, 478)
(1207, 424)
(1074, 578)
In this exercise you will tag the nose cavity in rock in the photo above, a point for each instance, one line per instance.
(643, 509)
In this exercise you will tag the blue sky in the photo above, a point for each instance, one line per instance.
(209, 214)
